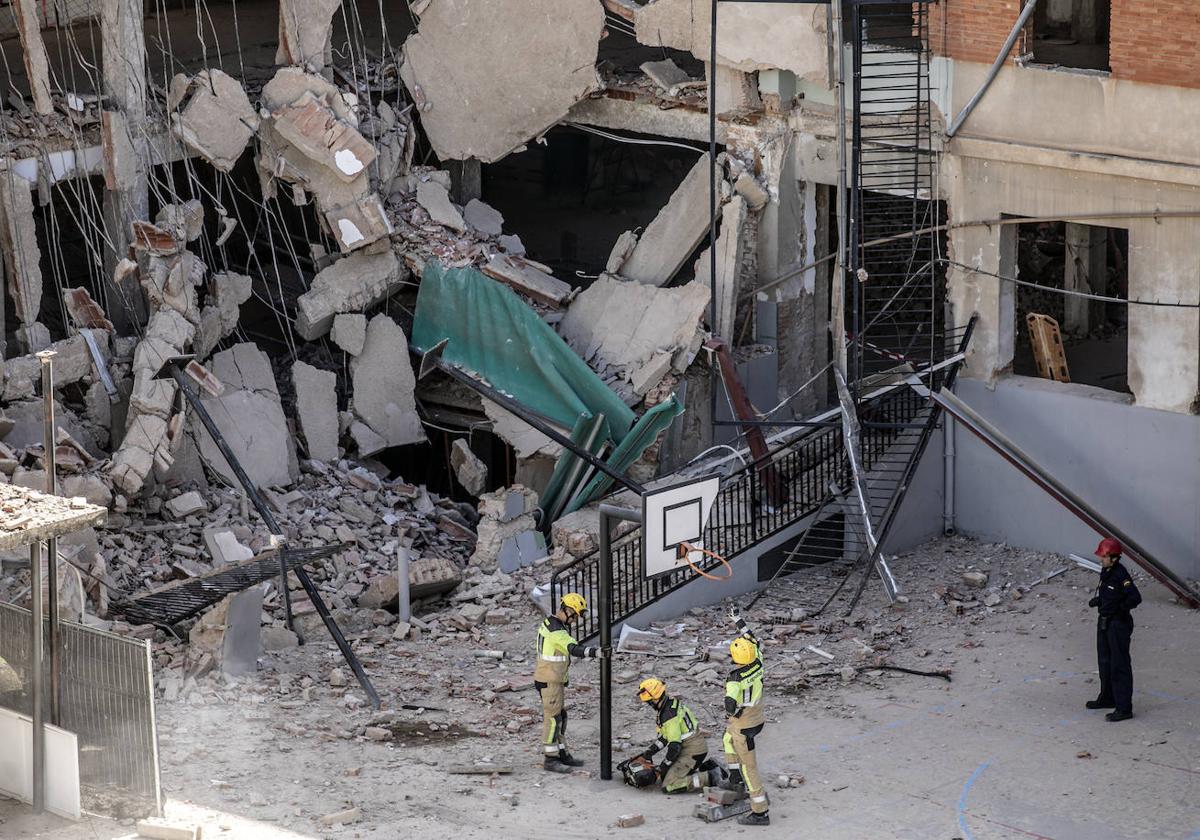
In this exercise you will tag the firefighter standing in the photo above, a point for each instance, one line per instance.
(1115, 598)
(744, 707)
(684, 767)
(555, 647)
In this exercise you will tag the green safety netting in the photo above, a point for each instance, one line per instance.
(497, 336)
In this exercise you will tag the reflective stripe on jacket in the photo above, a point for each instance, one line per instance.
(554, 642)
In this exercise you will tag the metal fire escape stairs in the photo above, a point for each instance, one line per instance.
(848, 472)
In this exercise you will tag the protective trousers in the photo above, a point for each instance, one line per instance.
(683, 774)
(1116, 668)
(739, 757)
(554, 718)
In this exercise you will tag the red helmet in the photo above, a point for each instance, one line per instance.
(1108, 546)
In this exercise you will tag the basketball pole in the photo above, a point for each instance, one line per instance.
(607, 514)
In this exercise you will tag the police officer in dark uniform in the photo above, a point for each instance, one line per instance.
(1117, 595)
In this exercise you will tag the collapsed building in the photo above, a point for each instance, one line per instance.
(446, 274)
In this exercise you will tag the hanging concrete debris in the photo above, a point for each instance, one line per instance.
(213, 116)
(352, 284)
(37, 68)
(304, 30)
(477, 95)
(471, 472)
(383, 384)
(250, 417)
(316, 409)
(675, 233)
(641, 331)
(309, 138)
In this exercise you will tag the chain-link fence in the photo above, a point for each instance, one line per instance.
(106, 698)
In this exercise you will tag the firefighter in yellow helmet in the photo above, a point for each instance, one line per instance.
(685, 766)
(555, 647)
(744, 708)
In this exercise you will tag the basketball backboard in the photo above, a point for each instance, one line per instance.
(674, 515)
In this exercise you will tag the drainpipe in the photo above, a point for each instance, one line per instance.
(948, 460)
(1026, 13)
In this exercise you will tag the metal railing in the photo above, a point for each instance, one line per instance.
(741, 516)
(106, 699)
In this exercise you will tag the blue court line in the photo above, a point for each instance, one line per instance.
(961, 807)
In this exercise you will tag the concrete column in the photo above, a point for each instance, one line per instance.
(736, 91)
(124, 66)
(1164, 343)
(1006, 300)
(466, 180)
(1086, 271)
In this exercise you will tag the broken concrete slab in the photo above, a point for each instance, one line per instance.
(503, 97)
(436, 200)
(349, 332)
(628, 325)
(316, 409)
(483, 218)
(750, 36)
(352, 284)
(471, 472)
(666, 74)
(305, 29)
(383, 382)
(525, 277)
(731, 259)
(250, 418)
(525, 440)
(675, 232)
(511, 244)
(214, 118)
(85, 312)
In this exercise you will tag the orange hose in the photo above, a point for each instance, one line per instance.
(689, 548)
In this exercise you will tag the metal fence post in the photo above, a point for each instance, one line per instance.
(50, 461)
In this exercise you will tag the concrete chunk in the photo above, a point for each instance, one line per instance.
(224, 547)
(366, 439)
(436, 200)
(316, 409)
(315, 130)
(215, 118)
(358, 223)
(666, 74)
(675, 232)
(349, 332)
(352, 284)
(484, 218)
(494, 96)
(383, 384)
(186, 504)
(472, 473)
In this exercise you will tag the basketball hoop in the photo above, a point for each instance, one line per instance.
(684, 553)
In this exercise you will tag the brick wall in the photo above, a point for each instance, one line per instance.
(972, 30)
(1151, 41)
(1156, 41)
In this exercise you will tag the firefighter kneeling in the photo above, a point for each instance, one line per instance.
(686, 766)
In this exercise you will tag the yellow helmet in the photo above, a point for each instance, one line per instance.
(574, 602)
(651, 690)
(743, 650)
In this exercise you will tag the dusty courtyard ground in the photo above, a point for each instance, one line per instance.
(1005, 751)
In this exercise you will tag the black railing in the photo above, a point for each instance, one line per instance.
(741, 516)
